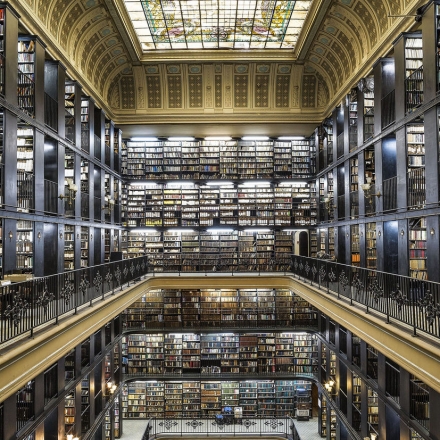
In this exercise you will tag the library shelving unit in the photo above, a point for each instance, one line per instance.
(420, 404)
(69, 367)
(355, 245)
(313, 243)
(84, 246)
(190, 399)
(415, 143)
(191, 353)
(354, 188)
(368, 91)
(69, 107)
(69, 411)
(230, 393)
(26, 72)
(173, 399)
(85, 404)
(413, 71)
(154, 396)
(266, 398)
(85, 124)
(173, 353)
(25, 404)
(69, 247)
(353, 119)
(210, 398)
(370, 245)
(372, 362)
(356, 402)
(417, 248)
(25, 246)
(2, 50)
(331, 241)
(324, 417)
(373, 411)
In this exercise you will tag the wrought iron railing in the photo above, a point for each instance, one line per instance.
(388, 109)
(410, 302)
(50, 112)
(27, 305)
(226, 425)
(414, 90)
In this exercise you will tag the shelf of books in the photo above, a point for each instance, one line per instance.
(85, 404)
(417, 248)
(69, 111)
(26, 75)
(25, 404)
(2, 50)
(420, 407)
(368, 109)
(85, 124)
(354, 188)
(324, 417)
(69, 367)
(210, 398)
(25, 246)
(173, 399)
(353, 119)
(69, 412)
(413, 71)
(356, 402)
(355, 245)
(190, 399)
(373, 412)
(415, 142)
(69, 247)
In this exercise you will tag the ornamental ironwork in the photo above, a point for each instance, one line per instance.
(18, 309)
(45, 298)
(430, 308)
(97, 281)
(168, 424)
(332, 276)
(118, 275)
(295, 264)
(194, 423)
(125, 271)
(143, 266)
(248, 423)
(314, 271)
(343, 280)
(67, 291)
(138, 267)
(357, 283)
(273, 423)
(132, 269)
(84, 285)
(322, 273)
(375, 290)
(398, 296)
(108, 277)
(307, 268)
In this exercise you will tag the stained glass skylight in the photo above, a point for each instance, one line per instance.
(217, 24)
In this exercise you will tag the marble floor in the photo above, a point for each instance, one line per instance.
(134, 429)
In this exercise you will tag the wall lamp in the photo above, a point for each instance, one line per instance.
(367, 189)
(71, 437)
(109, 205)
(10, 235)
(329, 386)
(328, 203)
(72, 189)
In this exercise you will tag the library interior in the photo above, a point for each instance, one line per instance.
(217, 219)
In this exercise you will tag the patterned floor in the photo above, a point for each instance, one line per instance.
(134, 429)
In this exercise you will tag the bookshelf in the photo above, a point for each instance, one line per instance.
(248, 398)
(69, 247)
(370, 245)
(154, 396)
(2, 50)
(69, 113)
(331, 241)
(25, 153)
(230, 393)
(26, 75)
(84, 260)
(69, 412)
(324, 417)
(354, 188)
(85, 404)
(69, 367)
(355, 245)
(173, 399)
(372, 411)
(415, 143)
(372, 362)
(313, 234)
(353, 119)
(419, 401)
(25, 246)
(368, 115)
(210, 398)
(266, 398)
(356, 402)
(417, 248)
(25, 408)
(413, 72)
(85, 124)
(190, 399)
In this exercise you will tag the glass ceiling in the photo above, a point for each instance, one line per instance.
(217, 24)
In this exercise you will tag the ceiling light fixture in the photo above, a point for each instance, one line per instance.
(218, 138)
(181, 139)
(255, 138)
(144, 139)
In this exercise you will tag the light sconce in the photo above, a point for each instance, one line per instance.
(72, 189)
(109, 205)
(373, 436)
(432, 231)
(379, 233)
(329, 386)
(10, 235)
(61, 235)
(367, 189)
(402, 232)
(111, 387)
(71, 437)
(39, 235)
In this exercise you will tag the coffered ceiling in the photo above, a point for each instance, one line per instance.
(294, 83)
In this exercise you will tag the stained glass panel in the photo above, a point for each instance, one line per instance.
(217, 24)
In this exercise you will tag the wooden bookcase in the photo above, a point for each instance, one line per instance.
(417, 248)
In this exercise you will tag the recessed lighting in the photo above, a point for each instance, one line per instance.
(181, 139)
(219, 183)
(144, 139)
(291, 138)
(218, 138)
(255, 138)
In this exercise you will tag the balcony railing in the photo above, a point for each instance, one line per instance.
(50, 112)
(414, 90)
(388, 109)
